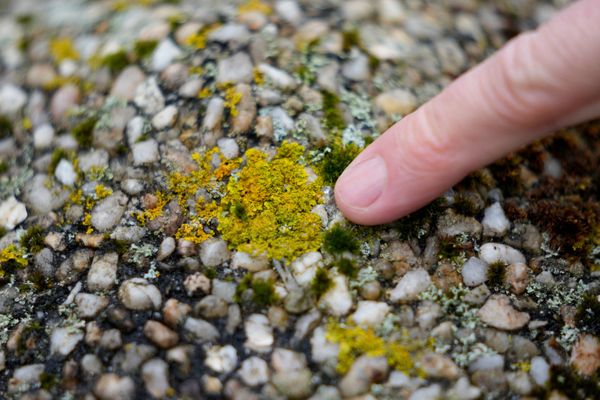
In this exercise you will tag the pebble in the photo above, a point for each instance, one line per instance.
(65, 173)
(254, 371)
(124, 86)
(64, 100)
(474, 272)
(494, 221)
(499, 313)
(91, 365)
(155, 374)
(211, 307)
(439, 366)
(289, 11)
(90, 305)
(149, 97)
(357, 68)
(517, 277)
(196, 283)
(370, 313)
(94, 158)
(235, 69)
(540, 370)
(494, 252)
(221, 359)
(214, 114)
(145, 152)
(296, 384)
(114, 387)
(64, 340)
(160, 334)
(410, 286)
(139, 294)
(166, 248)
(12, 99)
(24, 377)
(337, 301)
(165, 118)
(40, 199)
(585, 356)
(278, 77)
(214, 252)
(40, 75)
(259, 335)
(427, 393)
(463, 390)
(200, 330)
(390, 11)
(246, 110)
(487, 362)
(236, 35)
(397, 102)
(103, 272)
(165, 53)
(364, 372)
(229, 148)
(107, 212)
(12, 213)
(43, 136)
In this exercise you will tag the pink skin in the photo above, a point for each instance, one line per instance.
(539, 82)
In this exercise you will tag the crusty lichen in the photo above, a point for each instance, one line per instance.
(12, 257)
(355, 341)
(63, 49)
(267, 207)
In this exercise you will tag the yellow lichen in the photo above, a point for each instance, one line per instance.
(355, 341)
(267, 207)
(232, 99)
(152, 213)
(255, 6)
(63, 49)
(102, 192)
(205, 93)
(198, 40)
(259, 77)
(87, 222)
(12, 257)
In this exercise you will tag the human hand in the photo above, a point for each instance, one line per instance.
(537, 83)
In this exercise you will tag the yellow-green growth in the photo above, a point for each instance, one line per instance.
(11, 258)
(336, 161)
(267, 207)
(63, 49)
(232, 99)
(198, 39)
(255, 6)
(355, 341)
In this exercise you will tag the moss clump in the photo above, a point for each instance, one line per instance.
(321, 283)
(277, 198)
(587, 318)
(573, 385)
(263, 292)
(33, 239)
(210, 273)
(3, 231)
(507, 173)
(333, 120)
(495, 275)
(418, 224)
(350, 39)
(339, 240)
(3, 167)
(84, 130)
(116, 61)
(144, 48)
(355, 341)
(346, 267)
(465, 204)
(336, 161)
(6, 127)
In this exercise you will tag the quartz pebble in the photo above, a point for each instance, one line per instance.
(499, 313)
(139, 294)
(12, 213)
(410, 286)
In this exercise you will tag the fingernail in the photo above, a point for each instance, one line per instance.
(361, 184)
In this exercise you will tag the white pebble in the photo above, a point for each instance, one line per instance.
(43, 136)
(410, 286)
(370, 313)
(494, 252)
(164, 54)
(229, 148)
(494, 221)
(165, 118)
(254, 371)
(139, 294)
(337, 301)
(64, 340)
(65, 173)
(540, 370)
(213, 252)
(259, 335)
(221, 359)
(12, 99)
(12, 213)
(145, 152)
(474, 272)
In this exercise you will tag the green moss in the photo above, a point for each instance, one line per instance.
(339, 240)
(33, 239)
(495, 275)
(83, 131)
(321, 283)
(507, 173)
(336, 161)
(263, 292)
(48, 381)
(573, 385)
(121, 246)
(210, 272)
(350, 39)
(465, 205)
(6, 127)
(115, 61)
(3, 231)
(346, 267)
(587, 318)
(144, 48)
(333, 120)
(25, 19)
(418, 224)
(3, 167)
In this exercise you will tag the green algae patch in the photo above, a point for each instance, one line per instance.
(267, 205)
(355, 341)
